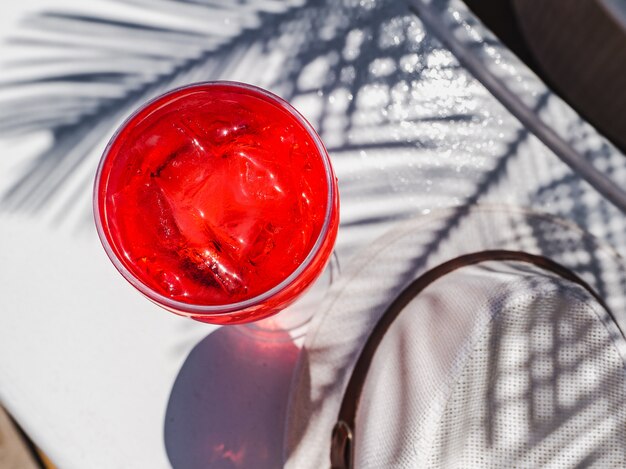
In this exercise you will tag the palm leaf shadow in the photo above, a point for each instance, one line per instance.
(82, 73)
(77, 75)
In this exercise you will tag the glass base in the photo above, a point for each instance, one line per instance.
(292, 322)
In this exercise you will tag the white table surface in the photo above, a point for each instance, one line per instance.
(98, 376)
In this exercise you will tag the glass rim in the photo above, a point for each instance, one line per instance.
(195, 309)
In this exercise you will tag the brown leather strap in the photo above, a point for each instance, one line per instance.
(342, 445)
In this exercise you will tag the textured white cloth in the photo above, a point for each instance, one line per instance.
(496, 366)
(489, 368)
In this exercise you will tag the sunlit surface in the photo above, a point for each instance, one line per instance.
(434, 138)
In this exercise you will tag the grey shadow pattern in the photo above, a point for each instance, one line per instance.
(363, 73)
(408, 128)
(544, 386)
(329, 356)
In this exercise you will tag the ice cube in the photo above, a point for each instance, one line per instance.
(214, 130)
(186, 168)
(211, 265)
(152, 204)
(169, 282)
(257, 178)
(262, 245)
(239, 230)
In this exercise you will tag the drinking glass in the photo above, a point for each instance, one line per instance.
(218, 201)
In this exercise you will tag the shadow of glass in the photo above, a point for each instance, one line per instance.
(228, 404)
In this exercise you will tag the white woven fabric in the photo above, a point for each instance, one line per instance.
(517, 368)
(440, 356)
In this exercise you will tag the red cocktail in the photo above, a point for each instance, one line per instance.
(217, 201)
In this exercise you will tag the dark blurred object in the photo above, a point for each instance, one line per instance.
(500, 17)
(577, 46)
